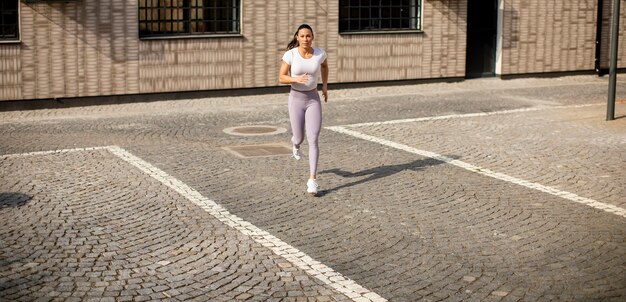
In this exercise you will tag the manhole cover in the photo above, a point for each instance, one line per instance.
(255, 130)
(262, 150)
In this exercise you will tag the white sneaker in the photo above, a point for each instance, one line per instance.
(311, 187)
(295, 153)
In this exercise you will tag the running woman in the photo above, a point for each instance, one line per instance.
(300, 67)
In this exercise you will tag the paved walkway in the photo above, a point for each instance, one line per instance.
(482, 190)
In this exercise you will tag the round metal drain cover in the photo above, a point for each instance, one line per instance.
(255, 130)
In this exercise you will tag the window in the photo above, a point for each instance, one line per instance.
(166, 18)
(9, 20)
(379, 15)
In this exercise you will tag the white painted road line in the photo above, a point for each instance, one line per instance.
(478, 114)
(299, 259)
(531, 185)
(302, 261)
(52, 152)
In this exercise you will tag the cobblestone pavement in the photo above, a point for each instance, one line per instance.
(481, 190)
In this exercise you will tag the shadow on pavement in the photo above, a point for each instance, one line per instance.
(379, 172)
(13, 199)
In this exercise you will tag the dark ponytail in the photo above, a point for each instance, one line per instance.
(294, 42)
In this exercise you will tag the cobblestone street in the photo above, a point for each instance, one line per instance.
(480, 190)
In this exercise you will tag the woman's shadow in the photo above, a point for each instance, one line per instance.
(380, 172)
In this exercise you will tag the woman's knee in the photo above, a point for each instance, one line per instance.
(297, 140)
(312, 141)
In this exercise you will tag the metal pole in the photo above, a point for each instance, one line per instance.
(610, 109)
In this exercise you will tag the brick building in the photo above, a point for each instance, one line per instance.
(77, 48)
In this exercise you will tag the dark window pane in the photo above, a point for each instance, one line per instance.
(405, 12)
(354, 13)
(375, 24)
(365, 12)
(371, 15)
(343, 25)
(364, 24)
(385, 12)
(396, 13)
(344, 11)
(354, 25)
(185, 17)
(209, 14)
(210, 26)
(396, 23)
(9, 20)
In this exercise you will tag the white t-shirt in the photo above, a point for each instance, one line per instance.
(300, 66)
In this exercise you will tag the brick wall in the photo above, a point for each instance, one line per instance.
(235, 62)
(90, 48)
(87, 48)
(437, 52)
(550, 36)
(607, 19)
(74, 48)
(10, 75)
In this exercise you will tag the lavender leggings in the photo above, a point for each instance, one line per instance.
(306, 105)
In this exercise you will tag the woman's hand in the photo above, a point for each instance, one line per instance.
(324, 67)
(303, 79)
